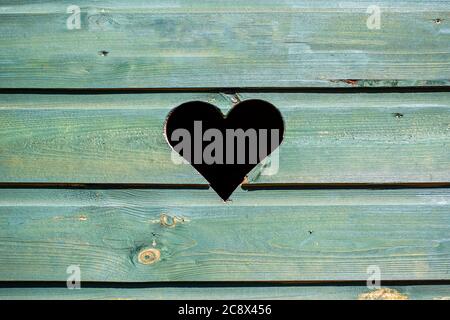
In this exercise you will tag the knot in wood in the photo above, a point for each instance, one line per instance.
(149, 256)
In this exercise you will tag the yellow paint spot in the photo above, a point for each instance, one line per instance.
(383, 294)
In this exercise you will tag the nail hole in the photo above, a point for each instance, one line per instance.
(103, 53)
(437, 21)
(398, 115)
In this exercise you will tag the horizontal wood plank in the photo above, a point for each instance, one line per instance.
(425, 292)
(194, 43)
(330, 138)
(191, 235)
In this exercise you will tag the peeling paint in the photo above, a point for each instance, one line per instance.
(383, 294)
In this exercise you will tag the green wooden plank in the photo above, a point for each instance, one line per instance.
(223, 44)
(330, 138)
(285, 235)
(426, 292)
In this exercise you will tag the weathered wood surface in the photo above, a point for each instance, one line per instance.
(267, 235)
(330, 138)
(195, 43)
(261, 235)
(425, 292)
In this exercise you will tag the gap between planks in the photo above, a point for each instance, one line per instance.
(245, 187)
(218, 284)
(228, 90)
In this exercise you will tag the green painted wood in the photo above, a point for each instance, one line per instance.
(285, 235)
(330, 138)
(223, 44)
(426, 292)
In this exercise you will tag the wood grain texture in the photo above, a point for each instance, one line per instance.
(261, 235)
(330, 138)
(426, 292)
(194, 43)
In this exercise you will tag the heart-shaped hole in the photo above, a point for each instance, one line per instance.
(224, 149)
